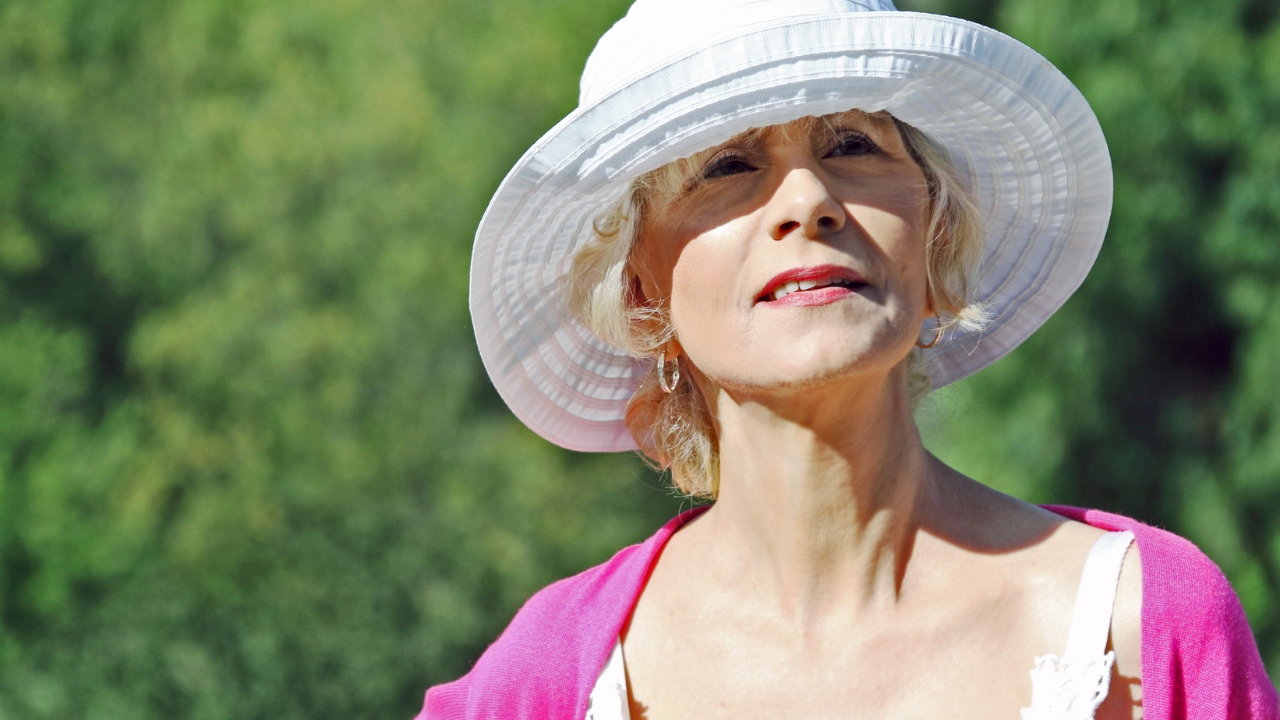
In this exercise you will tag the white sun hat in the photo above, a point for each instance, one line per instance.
(674, 77)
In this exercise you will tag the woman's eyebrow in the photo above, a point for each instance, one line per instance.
(750, 141)
(867, 124)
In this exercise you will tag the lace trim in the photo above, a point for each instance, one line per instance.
(1066, 689)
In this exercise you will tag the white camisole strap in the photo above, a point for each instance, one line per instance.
(1071, 687)
(1096, 599)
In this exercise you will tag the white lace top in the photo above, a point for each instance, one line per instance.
(1070, 686)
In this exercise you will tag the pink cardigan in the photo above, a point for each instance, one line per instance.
(1199, 660)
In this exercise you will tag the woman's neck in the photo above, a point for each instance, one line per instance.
(819, 502)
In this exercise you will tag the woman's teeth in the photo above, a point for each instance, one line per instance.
(791, 286)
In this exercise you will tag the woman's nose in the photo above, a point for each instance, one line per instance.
(803, 202)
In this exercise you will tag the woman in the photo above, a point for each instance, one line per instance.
(768, 228)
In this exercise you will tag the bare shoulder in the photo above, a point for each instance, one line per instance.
(1052, 552)
(978, 516)
(1065, 550)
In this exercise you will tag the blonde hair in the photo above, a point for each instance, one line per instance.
(675, 430)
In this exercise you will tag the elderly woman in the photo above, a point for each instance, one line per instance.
(767, 230)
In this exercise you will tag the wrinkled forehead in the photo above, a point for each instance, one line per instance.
(809, 127)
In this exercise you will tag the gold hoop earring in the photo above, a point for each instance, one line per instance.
(936, 338)
(662, 373)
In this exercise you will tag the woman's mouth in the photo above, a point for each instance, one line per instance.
(811, 286)
(797, 286)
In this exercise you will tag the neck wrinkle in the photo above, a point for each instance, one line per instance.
(818, 507)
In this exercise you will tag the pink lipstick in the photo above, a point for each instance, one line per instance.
(818, 285)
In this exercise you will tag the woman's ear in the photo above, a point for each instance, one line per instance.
(644, 289)
(646, 267)
(650, 323)
(639, 297)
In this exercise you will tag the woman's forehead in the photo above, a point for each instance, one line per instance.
(808, 126)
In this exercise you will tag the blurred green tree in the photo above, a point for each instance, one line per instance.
(250, 465)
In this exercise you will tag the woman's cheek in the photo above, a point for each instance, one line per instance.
(704, 308)
(701, 308)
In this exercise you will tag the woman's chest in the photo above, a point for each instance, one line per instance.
(881, 675)
(970, 656)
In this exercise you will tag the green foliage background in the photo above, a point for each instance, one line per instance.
(250, 466)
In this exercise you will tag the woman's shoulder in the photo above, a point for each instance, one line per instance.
(529, 670)
(1199, 658)
(1188, 582)
(557, 641)
(1182, 590)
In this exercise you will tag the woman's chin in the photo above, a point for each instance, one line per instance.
(828, 371)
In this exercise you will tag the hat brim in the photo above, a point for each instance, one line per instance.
(1026, 137)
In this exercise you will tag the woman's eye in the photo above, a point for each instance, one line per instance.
(853, 144)
(730, 165)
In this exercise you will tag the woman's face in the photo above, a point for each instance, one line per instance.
(795, 255)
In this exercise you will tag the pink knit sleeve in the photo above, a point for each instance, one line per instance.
(442, 702)
(554, 647)
(1196, 640)
(544, 664)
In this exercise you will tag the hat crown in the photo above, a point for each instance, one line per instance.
(656, 32)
